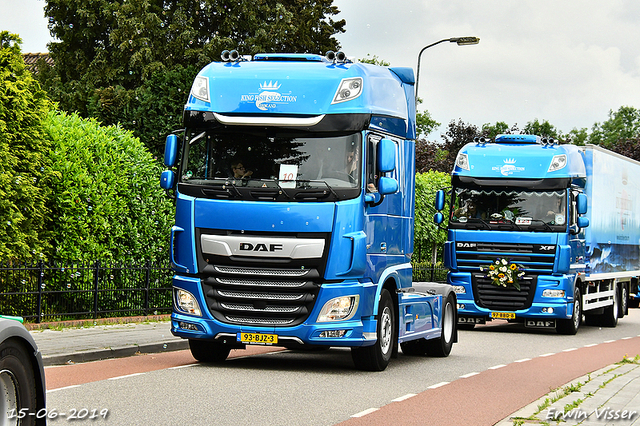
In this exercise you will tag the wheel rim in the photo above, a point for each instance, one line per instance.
(385, 330)
(447, 323)
(9, 399)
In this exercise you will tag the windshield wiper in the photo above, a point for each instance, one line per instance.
(477, 219)
(544, 223)
(309, 192)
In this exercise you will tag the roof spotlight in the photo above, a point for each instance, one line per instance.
(330, 55)
(341, 57)
(225, 55)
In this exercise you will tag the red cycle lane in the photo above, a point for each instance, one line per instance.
(490, 396)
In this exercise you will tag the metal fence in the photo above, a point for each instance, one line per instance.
(53, 292)
(49, 292)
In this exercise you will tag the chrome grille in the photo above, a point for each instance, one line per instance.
(262, 271)
(260, 283)
(262, 296)
(250, 308)
(260, 321)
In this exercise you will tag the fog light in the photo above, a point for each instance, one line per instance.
(339, 309)
(459, 289)
(333, 333)
(187, 303)
(188, 326)
(547, 310)
(460, 306)
(553, 293)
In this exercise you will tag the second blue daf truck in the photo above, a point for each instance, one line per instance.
(542, 233)
(294, 185)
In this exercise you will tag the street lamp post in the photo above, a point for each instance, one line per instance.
(460, 41)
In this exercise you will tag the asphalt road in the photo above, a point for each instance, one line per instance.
(296, 388)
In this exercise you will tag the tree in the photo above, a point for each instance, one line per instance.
(109, 50)
(425, 124)
(106, 203)
(622, 125)
(374, 60)
(500, 128)
(24, 152)
(544, 129)
(441, 157)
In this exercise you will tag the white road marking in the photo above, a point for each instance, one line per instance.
(64, 388)
(365, 412)
(466, 376)
(402, 398)
(437, 385)
(125, 376)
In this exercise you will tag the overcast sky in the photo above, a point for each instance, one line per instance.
(568, 62)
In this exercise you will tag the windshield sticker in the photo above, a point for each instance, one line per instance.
(269, 96)
(559, 219)
(508, 168)
(287, 175)
(523, 221)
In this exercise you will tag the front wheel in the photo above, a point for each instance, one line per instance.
(207, 351)
(571, 326)
(376, 357)
(441, 346)
(17, 381)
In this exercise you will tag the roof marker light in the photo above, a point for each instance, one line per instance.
(200, 88)
(350, 88)
(462, 161)
(517, 139)
(558, 162)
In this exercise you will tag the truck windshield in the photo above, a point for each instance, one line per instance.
(509, 210)
(254, 164)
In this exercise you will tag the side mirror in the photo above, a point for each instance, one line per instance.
(438, 218)
(439, 200)
(387, 185)
(167, 179)
(170, 150)
(581, 204)
(386, 155)
(583, 222)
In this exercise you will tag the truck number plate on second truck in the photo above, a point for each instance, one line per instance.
(258, 338)
(503, 315)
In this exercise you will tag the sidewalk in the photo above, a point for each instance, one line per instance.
(72, 345)
(609, 396)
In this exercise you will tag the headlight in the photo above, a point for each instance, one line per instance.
(350, 88)
(462, 161)
(557, 163)
(553, 293)
(200, 88)
(187, 303)
(339, 309)
(459, 289)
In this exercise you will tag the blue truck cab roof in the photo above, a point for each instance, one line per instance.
(306, 87)
(519, 157)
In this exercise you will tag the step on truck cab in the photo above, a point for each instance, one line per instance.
(294, 186)
(542, 233)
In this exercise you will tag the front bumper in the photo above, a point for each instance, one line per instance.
(358, 331)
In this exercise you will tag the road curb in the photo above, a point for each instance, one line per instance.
(588, 396)
(119, 352)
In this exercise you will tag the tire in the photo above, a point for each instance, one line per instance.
(441, 347)
(17, 380)
(624, 300)
(376, 357)
(610, 316)
(207, 351)
(570, 326)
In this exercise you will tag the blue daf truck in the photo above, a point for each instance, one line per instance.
(294, 186)
(542, 233)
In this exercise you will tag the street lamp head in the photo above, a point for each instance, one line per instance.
(465, 41)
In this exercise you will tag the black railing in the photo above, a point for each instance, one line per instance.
(46, 292)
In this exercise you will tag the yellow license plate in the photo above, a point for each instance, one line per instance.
(258, 338)
(503, 315)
